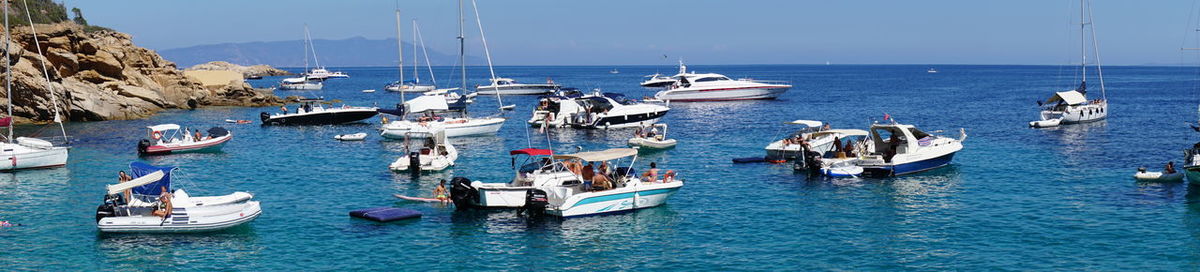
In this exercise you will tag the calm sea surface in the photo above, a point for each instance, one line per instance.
(1014, 199)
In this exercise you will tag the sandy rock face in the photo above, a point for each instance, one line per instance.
(247, 71)
(102, 75)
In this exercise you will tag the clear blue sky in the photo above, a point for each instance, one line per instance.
(560, 32)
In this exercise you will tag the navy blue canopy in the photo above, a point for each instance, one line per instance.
(460, 104)
(139, 169)
(398, 111)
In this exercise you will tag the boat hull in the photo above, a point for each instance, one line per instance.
(723, 94)
(184, 220)
(1193, 174)
(18, 157)
(481, 126)
(908, 167)
(502, 196)
(211, 145)
(617, 200)
(321, 118)
(522, 89)
(410, 88)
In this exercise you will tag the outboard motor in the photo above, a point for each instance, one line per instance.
(810, 161)
(535, 203)
(264, 116)
(143, 145)
(463, 194)
(109, 208)
(414, 162)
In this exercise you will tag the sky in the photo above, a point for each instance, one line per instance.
(627, 32)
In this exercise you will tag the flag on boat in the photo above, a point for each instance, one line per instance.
(6, 121)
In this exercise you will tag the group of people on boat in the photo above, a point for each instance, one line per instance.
(651, 134)
(162, 208)
(594, 178)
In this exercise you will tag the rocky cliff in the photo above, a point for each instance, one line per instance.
(102, 75)
(247, 71)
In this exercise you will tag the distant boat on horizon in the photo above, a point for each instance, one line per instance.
(932, 71)
(614, 71)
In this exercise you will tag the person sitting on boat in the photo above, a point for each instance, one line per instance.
(440, 192)
(283, 109)
(1170, 169)
(652, 174)
(164, 204)
(603, 170)
(893, 145)
(601, 181)
(197, 137)
(638, 133)
(825, 127)
(588, 171)
(121, 178)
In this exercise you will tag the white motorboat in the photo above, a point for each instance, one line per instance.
(897, 149)
(659, 80)
(597, 110)
(536, 168)
(1149, 176)
(311, 112)
(693, 87)
(350, 137)
(819, 138)
(306, 81)
(614, 71)
(322, 73)
(422, 114)
(172, 139)
(1072, 106)
(131, 206)
(368, 90)
(508, 86)
(426, 152)
(26, 152)
(931, 71)
(565, 194)
(655, 138)
(302, 86)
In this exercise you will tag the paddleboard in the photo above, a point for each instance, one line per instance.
(418, 199)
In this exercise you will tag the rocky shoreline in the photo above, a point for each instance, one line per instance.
(246, 71)
(102, 75)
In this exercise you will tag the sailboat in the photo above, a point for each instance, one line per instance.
(305, 81)
(414, 85)
(507, 86)
(1073, 106)
(26, 152)
(422, 113)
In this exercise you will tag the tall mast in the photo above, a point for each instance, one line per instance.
(486, 51)
(312, 46)
(1096, 47)
(8, 70)
(400, 57)
(1083, 38)
(416, 62)
(45, 72)
(462, 51)
(428, 64)
(306, 49)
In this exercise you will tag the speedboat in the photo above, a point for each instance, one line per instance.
(819, 138)
(321, 73)
(614, 71)
(537, 167)
(931, 71)
(657, 81)
(425, 151)
(1070, 107)
(170, 138)
(300, 84)
(422, 114)
(409, 87)
(597, 110)
(564, 194)
(508, 86)
(716, 87)
(656, 138)
(130, 206)
(311, 112)
(897, 149)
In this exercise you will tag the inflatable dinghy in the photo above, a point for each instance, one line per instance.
(351, 137)
(1045, 123)
(1143, 175)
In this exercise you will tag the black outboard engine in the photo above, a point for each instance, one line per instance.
(463, 194)
(810, 161)
(264, 116)
(535, 203)
(109, 208)
(414, 162)
(143, 145)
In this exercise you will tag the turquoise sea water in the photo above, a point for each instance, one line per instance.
(1014, 199)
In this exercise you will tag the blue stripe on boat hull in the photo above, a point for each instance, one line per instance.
(908, 168)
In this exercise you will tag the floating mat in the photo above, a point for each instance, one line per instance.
(385, 214)
(749, 160)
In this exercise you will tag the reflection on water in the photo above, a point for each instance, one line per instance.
(234, 247)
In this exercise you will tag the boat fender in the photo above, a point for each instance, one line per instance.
(143, 145)
(264, 116)
(462, 193)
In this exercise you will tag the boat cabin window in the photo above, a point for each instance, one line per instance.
(885, 138)
(708, 79)
(595, 104)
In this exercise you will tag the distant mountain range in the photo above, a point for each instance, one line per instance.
(356, 51)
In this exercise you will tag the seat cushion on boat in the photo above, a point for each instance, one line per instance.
(385, 214)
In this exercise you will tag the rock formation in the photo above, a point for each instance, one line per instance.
(102, 75)
(247, 71)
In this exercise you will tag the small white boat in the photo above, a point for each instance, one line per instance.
(659, 80)
(426, 151)
(509, 107)
(425, 111)
(351, 137)
(185, 214)
(656, 138)
(932, 71)
(508, 86)
(903, 149)
(614, 71)
(1146, 176)
(368, 90)
(302, 85)
(171, 139)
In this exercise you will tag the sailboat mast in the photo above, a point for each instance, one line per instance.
(311, 46)
(425, 52)
(8, 70)
(45, 72)
(416, 62)
(400, 57)
(305, 50)
(462, 51)
(486, 51)
(1083, 38)
(1096, 47)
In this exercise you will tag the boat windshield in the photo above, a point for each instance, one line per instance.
(595, 104)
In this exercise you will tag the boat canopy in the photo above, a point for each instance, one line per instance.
(153, 188)
(143, 180)
(531, 152)
(163, 127)
(427, 103)
(810, 123)
(847, 132)
(1069, 97)
(603, 155)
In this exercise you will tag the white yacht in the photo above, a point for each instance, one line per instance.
(561, 193)
(320, 73)
(133, 206)
(508, 86)
(660, 80)
(1073, 106)
(426, 152)
(898, 149)
(716, 87)
(26, 152)
(306, 81)
(414, 85)
(597, 110)
(430, 113)
(819, 139)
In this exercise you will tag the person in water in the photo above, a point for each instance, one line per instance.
(122, 178)
(440, 192)
(166, 207)
(1170, 169)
